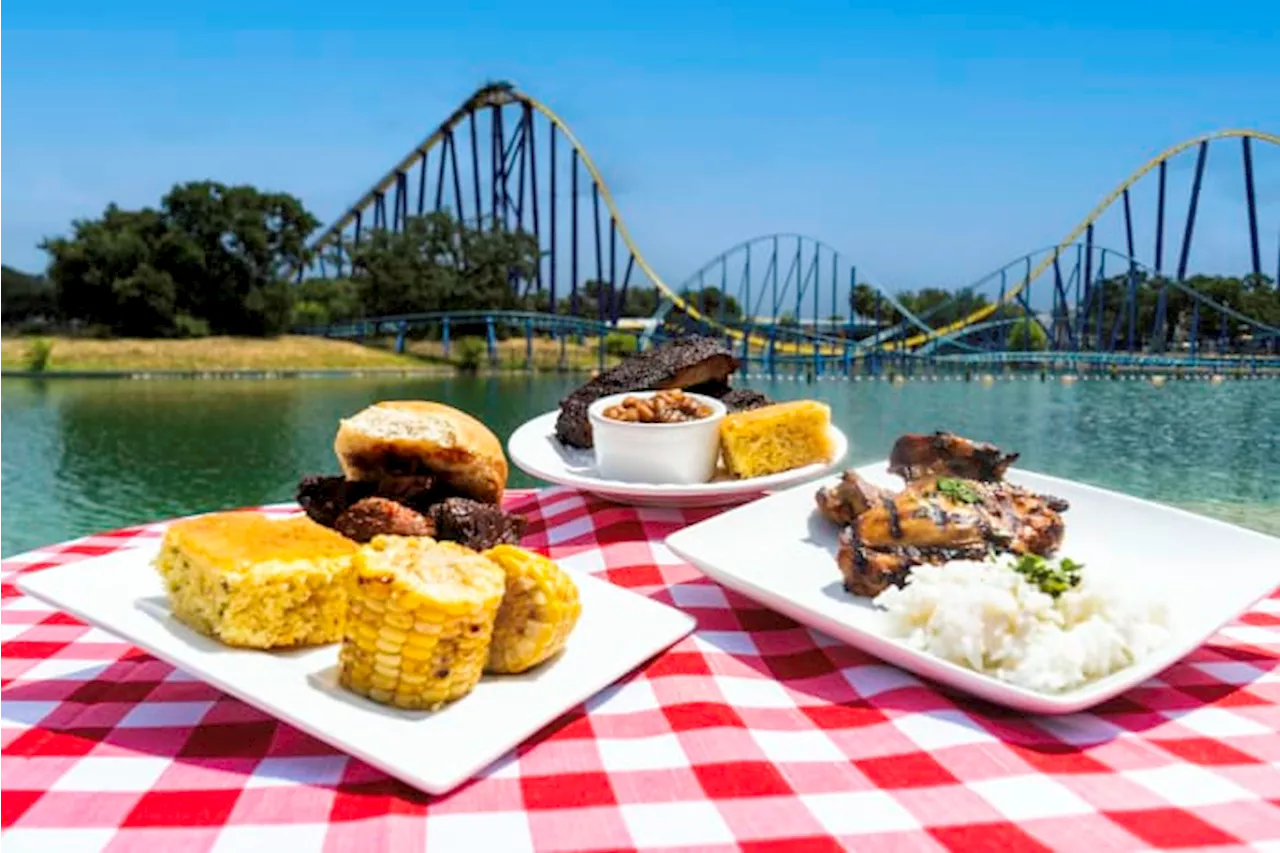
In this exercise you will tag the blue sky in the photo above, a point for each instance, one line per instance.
(932, 145)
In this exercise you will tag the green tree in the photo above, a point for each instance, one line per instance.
(714, 304)
(435, 263)
(237, 244)
(25, 296)
(863, 301)
(210, 252)
(1027, 335)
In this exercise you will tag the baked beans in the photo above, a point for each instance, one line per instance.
(665, 407)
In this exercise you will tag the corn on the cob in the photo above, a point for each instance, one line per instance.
(419, 621)
(539, 610)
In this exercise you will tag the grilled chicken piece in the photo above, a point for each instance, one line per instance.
(848, 499)
(927, 524)
(955, 506)
(683, 363)
(915, 455)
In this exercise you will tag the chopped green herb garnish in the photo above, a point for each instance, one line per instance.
(958, 490)
(1053, 580)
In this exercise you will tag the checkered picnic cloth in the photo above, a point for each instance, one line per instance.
(752, 734)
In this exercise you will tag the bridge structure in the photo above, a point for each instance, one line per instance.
(1117, 290)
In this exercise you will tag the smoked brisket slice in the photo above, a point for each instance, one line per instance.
(681, 363)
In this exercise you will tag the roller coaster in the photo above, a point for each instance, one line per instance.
(505, 160)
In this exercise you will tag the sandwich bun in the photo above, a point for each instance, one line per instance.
(408, 437)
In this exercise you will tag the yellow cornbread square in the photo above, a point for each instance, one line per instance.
(258, 582)
(775, 438)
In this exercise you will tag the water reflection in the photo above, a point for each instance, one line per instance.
(87, 455)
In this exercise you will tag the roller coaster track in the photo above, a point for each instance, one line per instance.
(909, 334)
(502, 94)
(1120, 191)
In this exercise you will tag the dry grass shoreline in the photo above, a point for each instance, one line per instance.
(287, 353)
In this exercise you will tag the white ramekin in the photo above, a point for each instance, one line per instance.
(682, 453)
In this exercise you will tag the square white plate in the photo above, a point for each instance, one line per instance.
(617, 631)
(781, 552)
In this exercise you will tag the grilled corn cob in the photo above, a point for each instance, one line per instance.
(539, 610)
(419, 621)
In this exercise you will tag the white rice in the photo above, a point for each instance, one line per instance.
(990, 618)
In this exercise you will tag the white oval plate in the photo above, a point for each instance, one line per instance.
(534, 449)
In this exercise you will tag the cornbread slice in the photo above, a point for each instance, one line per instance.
(250, 580)
(775, 438)
(419, 622)
(540, 608)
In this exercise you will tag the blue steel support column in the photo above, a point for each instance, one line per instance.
(1082, 297)
(401, 184)
(444, 336)
(551, 247)
(528, 342)
(475, 167)
(444, 155)
(1101, 293)
(491, 339)
(773, 325)
(497, 144)
(524, 163)
(1253, 209)
(835, 286)
(1131, 301)
(626, 283)
(595, 207)
(1157, 328)
(799, 282)
(748, 312)
(573, 239)
(817, 311)
(533, 189)
(1004, 332)
(422, 181)
(457, 180)
(724, 289)
(1191, 211)
(852, 324)
(401, 330)
(873, 364)
(1160, 218)
(1059, 308)
(359, 223)
(1088, 290)
(613, 271)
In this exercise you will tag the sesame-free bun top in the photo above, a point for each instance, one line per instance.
(405, 437)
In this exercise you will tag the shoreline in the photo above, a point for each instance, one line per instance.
(306, 357)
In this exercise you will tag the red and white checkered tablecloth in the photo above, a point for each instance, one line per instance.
(753, 734)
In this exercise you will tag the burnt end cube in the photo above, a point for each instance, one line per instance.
(323, 499)
(377, 516)
(476, 525)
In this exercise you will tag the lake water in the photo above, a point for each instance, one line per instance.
(81, 456)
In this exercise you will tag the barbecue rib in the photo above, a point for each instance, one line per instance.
(955, 506)
(685, 362)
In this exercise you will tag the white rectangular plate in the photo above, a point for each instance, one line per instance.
(779, 551)
(617, 632)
